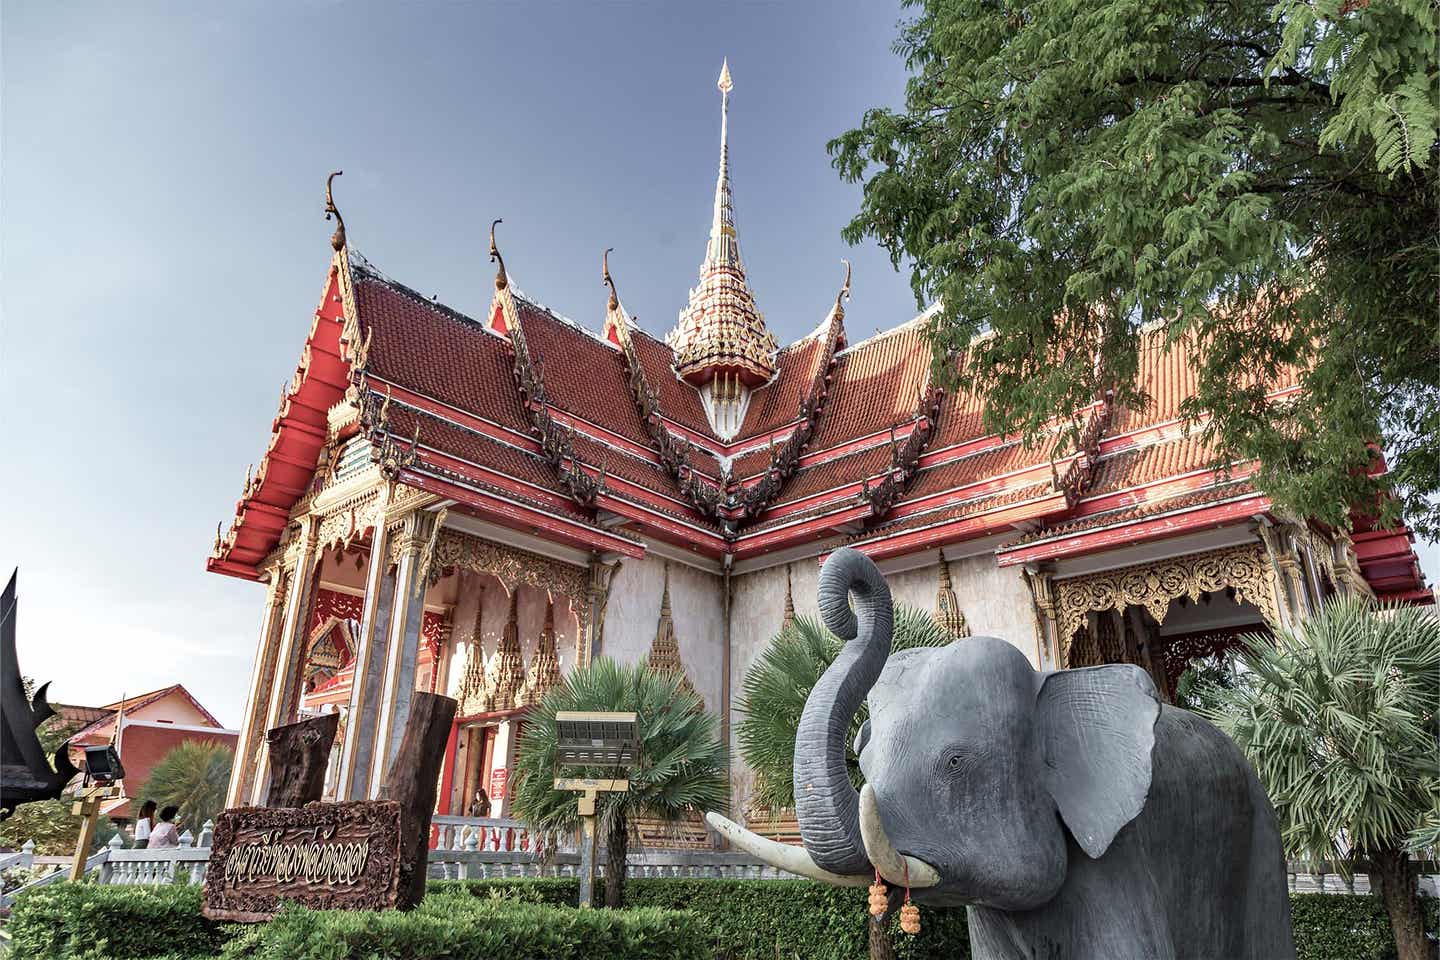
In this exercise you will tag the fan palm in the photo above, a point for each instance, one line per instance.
(681, 770)
(192, 776)
(777, 684)
(1338, 716)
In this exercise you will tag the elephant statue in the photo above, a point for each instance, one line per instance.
(1073, 813)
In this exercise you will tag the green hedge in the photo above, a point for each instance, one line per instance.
(85, 921)
(727, 920)
(759, 919)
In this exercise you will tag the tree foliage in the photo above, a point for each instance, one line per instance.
(682, 769)
(1338, 717)
(192, 776)
(777, 685)
(1257, 176)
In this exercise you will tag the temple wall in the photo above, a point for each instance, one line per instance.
(490, 596)
(696, 605)
(995, 601)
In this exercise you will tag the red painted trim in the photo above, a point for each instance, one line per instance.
(447, 777)
(1133, 532)
(902, 432)
(962, 528)
(444, 411)
(520, 517)
(757, 543)
(1164, 488)
(706, 541)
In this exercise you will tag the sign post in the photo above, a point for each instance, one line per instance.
(593, 740)
(87, 808)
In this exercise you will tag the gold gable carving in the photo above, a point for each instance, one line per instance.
(1244, 569)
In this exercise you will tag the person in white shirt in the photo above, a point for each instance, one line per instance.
(144, 824)
(165, 834)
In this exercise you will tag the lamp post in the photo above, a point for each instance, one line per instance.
(594, 739)
(102, 769)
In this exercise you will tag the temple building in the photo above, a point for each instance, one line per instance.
(475, 505)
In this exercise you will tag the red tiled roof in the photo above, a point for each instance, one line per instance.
(478, 434)
(437, 352)
(877, 386)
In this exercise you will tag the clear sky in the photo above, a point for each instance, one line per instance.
(163, 247)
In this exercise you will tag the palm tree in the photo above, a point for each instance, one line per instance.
(682, 768)
(1338, 716)
(775, 690)
(777, 684)
(192, 776)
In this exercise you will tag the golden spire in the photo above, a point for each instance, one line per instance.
(665, 650)
(844, 293)
(337, 239)
(507, 669)
(472, 682)
(947, 608)
(544, 666)
(608, 280)
(788, 619)
(721, 332)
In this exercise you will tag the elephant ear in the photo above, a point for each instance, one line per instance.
(1097, 728)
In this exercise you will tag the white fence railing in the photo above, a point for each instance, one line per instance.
(486, 847)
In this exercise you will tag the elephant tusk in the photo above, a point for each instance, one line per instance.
(779, 855)
(898, 868)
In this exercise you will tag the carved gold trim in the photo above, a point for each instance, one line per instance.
(1245, 569)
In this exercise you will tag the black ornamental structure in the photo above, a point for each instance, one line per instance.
(26, 775)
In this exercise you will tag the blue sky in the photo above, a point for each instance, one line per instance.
(163, 246)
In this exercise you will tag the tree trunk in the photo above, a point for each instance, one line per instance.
(412, 781)
(880, 946)
(617, 847)
(299, 756)
(1398, 889)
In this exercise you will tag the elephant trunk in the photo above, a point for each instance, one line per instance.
(826, 803)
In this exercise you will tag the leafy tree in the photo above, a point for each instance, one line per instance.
(777, 684)
(1338, 716)
(192, 776)
(682, 768)
(1257, 176)
(775, 689)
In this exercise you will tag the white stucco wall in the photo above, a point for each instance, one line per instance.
(696, 606)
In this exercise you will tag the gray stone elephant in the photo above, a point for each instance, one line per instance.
(1073, 813)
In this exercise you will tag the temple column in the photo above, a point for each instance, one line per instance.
(403, 645)
(1289, 587)
(285, 682)
(370, 650)
(247, 748)
(1049, 642)
(1350, 577)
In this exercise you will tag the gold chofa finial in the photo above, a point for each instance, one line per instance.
(725, 83)
(606, 278)
(337, 239)
(844, 293)
(495, 257)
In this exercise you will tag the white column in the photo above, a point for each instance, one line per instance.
(403, 649)
(284, 685)
(369, 668)
(502, 756)
(247, 747)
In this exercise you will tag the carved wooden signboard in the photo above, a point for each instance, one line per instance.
(330, 856)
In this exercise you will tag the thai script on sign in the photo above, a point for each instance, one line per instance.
(309, 859)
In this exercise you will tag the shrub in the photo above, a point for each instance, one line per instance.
(1334, 927)
(757, 919)
(456, 926)
(83, 921)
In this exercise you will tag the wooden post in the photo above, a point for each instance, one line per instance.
(412, 782)
(87, 807)
(589, 790)
(299, 756)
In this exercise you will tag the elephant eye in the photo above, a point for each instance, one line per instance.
(957, 762)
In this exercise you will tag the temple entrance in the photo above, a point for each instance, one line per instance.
(1202, 634)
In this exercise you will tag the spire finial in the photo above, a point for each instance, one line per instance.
(337, 239)
(844, 293)
(725, 84)
(606, 278)
(500, 279)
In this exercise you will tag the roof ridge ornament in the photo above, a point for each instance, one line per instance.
(844, 293)
(337, 239)
(609, 281)
(501, 279)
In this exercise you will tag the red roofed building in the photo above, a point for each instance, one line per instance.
(475, 505)
(143, 729)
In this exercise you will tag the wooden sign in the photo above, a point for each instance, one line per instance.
(329, 856)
